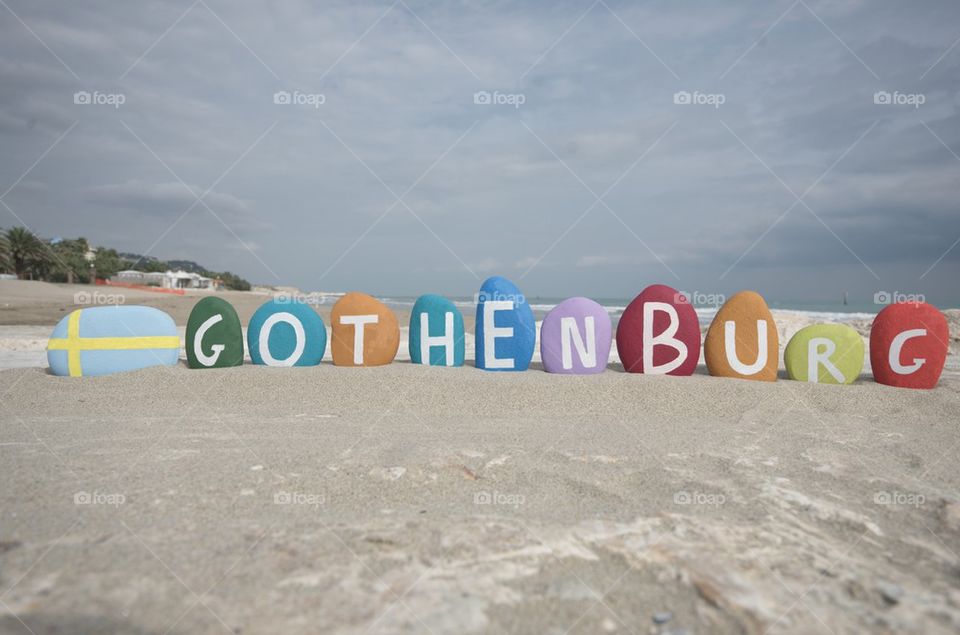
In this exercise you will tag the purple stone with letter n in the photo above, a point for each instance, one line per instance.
(575, 338)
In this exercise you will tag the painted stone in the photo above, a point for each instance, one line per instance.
(365, 331)
(506, 333)
(286, 333)
(659, 333)
(112, 339)
(436, 332)
(575, 338)
(908, 345)
(824, 354)
(742, 340)
(214, 336)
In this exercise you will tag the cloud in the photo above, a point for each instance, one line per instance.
(494, 185)
(160, 197)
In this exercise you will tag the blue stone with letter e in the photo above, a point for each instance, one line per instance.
(285, 332)
(506, 333)
(436, 332)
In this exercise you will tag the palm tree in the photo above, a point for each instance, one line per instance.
(4, 253)
(24, 250)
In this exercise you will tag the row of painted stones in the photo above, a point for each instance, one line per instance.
(658, 333)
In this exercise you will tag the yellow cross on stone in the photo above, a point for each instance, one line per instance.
(73, 343)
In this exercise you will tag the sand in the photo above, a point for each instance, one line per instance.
(450, 500)
(435, 500)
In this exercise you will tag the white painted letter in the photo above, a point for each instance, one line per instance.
(897, 345)
(203, 358)
(816, 357)
(491, 333)
(358, 321)
(666, 338)
(586, 352)
(294, 357)
(730, 344)
(445, 340)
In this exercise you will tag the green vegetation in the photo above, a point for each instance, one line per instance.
(231, 280)
(74, 260)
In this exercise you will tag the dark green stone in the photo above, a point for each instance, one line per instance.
(225, 332)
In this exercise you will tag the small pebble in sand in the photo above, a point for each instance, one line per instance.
(890, 592)
(662, 617)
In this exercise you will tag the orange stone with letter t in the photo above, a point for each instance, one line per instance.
(742, 340)
(365, 331)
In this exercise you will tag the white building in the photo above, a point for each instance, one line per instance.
(183, 280)
(166, 280)
(132, 276)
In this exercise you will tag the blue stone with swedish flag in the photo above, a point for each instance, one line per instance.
(112, 339)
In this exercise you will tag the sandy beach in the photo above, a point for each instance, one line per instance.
(449, 500)
(771, 184)
(414, 499)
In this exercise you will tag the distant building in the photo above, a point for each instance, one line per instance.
(167, 279)
(183, 280)
(132, 276)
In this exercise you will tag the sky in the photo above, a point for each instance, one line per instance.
(799, 148)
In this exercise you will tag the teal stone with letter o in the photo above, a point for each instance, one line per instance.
(285, 332)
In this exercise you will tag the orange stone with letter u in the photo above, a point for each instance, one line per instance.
(733, 346)
(364, 331)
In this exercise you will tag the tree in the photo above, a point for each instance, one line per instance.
(107, 262)
(70, 263)
(26, 252)
(154, 266)
(230, 280)
(5, 264)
